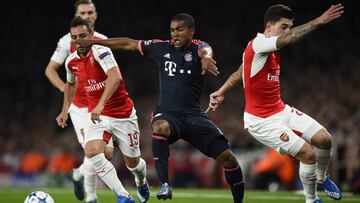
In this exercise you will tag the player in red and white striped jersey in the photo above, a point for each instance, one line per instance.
(112, 111)
(266, 117)
(78, 109)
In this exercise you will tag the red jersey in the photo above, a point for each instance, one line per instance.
(92, 71)
(64, 48)
(261, 76)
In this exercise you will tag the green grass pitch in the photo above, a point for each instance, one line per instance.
(188, 195)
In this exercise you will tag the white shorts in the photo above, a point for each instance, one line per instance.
(125, 132)
(285, 131)
(78, 118)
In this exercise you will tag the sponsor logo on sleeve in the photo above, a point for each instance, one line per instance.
(147, 42)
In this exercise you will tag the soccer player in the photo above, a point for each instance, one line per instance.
(182, 61)
(112, 112)
(83, 177)
(266, 117)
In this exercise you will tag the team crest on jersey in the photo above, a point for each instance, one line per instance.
(284, 137)
(188, 57)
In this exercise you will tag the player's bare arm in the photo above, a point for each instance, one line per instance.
(69, 92)
(112, 83)
(300, 32)
(208, 64)
(218, 96)
(120, 43)
(53, 76)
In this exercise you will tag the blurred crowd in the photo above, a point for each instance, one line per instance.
(320, 76)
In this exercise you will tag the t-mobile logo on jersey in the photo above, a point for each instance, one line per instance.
(171, 67)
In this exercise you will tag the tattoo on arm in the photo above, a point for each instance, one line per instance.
(295, 34)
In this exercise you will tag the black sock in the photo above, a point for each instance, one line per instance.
(160, 149)
(234, 178)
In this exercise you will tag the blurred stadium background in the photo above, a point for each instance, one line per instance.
(320, 76)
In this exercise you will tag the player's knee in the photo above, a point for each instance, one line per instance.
(306, 154)
(322, 139)
(109, 152)
(92, 149)
(227, 159)
(161, 128)
(131, 162)
(91, 152)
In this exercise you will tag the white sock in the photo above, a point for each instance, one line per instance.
(106, 171)
(89, 180)
(78, 173)
(322, 159)
(307, 175)
(139, 172)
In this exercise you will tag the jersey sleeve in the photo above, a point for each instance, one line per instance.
(104, 57)
(149, 47)
(62, 50)
(265, 44)
(203, 46)
(70, 77)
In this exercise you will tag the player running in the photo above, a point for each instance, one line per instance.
(112, 112)
(182, 61)
(266, 117)
(83, 177)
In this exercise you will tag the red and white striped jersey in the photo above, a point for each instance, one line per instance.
(261, 77)
(63, 50)
(91, 70)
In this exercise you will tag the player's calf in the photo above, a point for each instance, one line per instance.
(233, 174)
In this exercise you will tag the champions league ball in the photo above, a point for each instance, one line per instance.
(39, 197)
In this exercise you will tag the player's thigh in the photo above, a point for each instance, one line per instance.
(302, 124)
(171, 125)
(100, 131)
(77, 116)
(205, 135)
(127, 134)
(278, 136)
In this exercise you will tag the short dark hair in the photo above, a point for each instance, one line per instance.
(80, 2)
(187, 18)
(78, 21)
(276, 12)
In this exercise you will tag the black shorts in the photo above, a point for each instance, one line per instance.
(196, 129)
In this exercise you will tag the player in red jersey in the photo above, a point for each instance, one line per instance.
(112, 112)
(83, 177)
(266, 117)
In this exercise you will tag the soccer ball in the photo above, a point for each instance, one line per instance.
(39, 197)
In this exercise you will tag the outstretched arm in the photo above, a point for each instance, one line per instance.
(121, 43)
(218, 96)
(301, 31)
